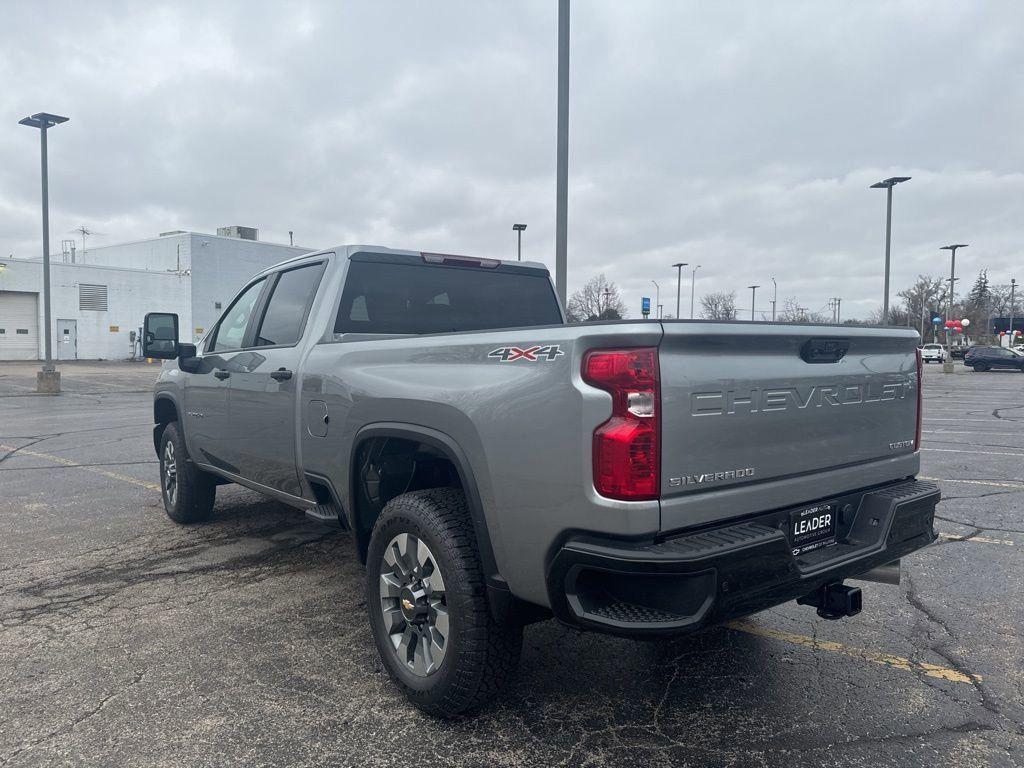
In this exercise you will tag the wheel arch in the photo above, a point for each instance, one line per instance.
(165, 410)
(498, 592)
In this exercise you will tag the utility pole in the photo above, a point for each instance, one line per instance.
(657, 297)
(518, 229)
(562, 149)
(947, 364)
(291, 237)
(887, 185)
(753, 299)
(679, 282)
(839, 305)
(693, 281)
(775, 297)
(48, 379)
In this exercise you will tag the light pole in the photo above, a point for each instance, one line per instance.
(887, 185)
(657, 297)
(775, 297)
(607, 300)
(562, 155)
(1013, 291)
(753, 299)
(947, 364)
(679, 282)
(48, 379)
(518, 229)
(693, 283)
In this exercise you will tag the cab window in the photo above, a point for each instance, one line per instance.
(230, 332)
(289, 303)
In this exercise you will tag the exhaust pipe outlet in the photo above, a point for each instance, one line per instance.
(883, 574)
(835, 601)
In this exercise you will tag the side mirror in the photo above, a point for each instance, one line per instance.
(160, 336)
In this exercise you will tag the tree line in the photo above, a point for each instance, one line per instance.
(926, 298)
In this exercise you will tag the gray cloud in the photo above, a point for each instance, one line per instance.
(740, 136)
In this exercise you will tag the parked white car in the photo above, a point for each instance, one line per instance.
(933, 353)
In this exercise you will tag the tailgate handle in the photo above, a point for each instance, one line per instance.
(824, 350)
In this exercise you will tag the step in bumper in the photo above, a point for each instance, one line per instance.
(692, 580)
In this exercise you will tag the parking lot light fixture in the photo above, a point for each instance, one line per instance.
(1013, 295)
(679, 281)
(693, 281)
(753, 299)
(887, 185)
(518, 229)
(657, 298)
(48, 380)
(775, 297)
(947, 364)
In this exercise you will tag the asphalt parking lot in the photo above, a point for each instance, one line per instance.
(126, 640)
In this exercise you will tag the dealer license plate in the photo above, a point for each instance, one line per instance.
(812, 528)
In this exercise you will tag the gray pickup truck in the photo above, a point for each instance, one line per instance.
(497, 466)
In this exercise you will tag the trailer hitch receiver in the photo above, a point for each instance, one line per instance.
(834, 601)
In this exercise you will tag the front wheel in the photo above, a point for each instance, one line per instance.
(187, 491)
(428, 605)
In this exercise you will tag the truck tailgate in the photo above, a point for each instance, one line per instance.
(757, 405)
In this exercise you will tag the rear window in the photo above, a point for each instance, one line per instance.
(415, 299)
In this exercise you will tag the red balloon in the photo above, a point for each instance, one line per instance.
(949, 323)
(1002, 333)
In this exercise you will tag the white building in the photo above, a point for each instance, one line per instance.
(100, 297)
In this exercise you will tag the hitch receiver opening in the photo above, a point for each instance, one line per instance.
(834, 601)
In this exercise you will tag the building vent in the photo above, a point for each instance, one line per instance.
(92, 297)
(242, 233)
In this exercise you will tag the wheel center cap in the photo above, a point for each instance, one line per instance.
(414, 604)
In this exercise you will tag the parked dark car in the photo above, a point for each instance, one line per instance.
(993, 358)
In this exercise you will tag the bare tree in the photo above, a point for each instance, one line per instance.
(599, 299)
(718, 306)
(924, 298)
(792, 312)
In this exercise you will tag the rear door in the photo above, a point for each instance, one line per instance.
(748, 404)
(264, 381)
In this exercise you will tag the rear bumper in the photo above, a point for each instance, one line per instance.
(683, 583)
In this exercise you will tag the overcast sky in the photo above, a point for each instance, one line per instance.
(738, 136)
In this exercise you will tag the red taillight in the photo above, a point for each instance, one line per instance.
(920, 400)
(628, 445)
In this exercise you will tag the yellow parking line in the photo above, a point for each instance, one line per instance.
(94, 470)
(979, 539)
(864, 654)
(1018, 486)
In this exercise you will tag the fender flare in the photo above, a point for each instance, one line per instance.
(499, 596)
(158, 426)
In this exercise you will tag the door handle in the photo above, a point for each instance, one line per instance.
(221, 374)
(281, 374)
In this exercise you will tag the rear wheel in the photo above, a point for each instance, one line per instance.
(428, 605)
(187, 491)
(980, 367)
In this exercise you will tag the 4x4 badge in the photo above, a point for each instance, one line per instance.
(529, 354)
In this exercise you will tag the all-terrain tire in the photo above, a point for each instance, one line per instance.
(188, 492)
(479, 653)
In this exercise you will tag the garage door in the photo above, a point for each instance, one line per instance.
(19, 326)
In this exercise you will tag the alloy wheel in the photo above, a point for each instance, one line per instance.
(170, 474)
(413, 604)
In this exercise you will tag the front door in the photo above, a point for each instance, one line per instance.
(207, 423)
(264, 390)
(67, 339)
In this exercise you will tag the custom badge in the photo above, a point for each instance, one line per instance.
(528, 354)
